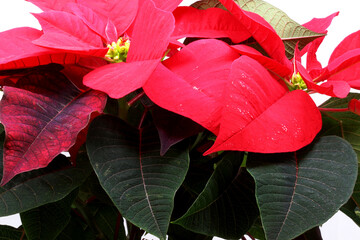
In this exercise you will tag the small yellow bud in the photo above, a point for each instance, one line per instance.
(118, 51)
(298, 82)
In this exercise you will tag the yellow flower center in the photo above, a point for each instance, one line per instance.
(118, 50)
(297, 82)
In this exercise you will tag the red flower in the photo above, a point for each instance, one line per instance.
(133, 36)
(149, 38)
(235, 98)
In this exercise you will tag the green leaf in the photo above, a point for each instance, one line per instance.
(346, 125)
(33, 189)
(226, 207)
(301, 190)
(10, 233)
(257, 230)
(76, 229)
(313, 234)
(47, 221)
(109, 221)
(288, 30)
(140, 182)
(176, 232)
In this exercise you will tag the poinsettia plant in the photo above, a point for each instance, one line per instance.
(114, 126)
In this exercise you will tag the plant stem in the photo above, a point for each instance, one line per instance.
(119, 221)
(136, 98)
(333, 109)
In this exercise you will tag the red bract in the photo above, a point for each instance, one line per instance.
(344, 63)
(259, 115)
(260, 30)
(119, 12)
(209, 23)
(191, 82)
(42, 118)
(248, 109)
(18, 51)
(150, 37)
(314, 74)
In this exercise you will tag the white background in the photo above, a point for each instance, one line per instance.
(15, 13)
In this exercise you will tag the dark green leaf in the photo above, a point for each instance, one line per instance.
(33, 189)
(109, 221)
(176, 232)
(313, 234)
(346, 125)
(227, 206)
(200, 170)
(141, 183)
(91, 189)
(301, 190)
(257, 230)
(76, 229)
(352, 211)
(10, 233)
(47, 221)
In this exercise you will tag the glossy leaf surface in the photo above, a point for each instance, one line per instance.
(298, 191)
(141, 183)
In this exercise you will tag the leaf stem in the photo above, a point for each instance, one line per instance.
(143, 118)
(333, 109)
(136, 98)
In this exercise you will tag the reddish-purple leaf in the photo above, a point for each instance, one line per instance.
(209, 23)
(173, 128)
(192, 81)
(42, 118)
(259, 115)
(20, 52)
